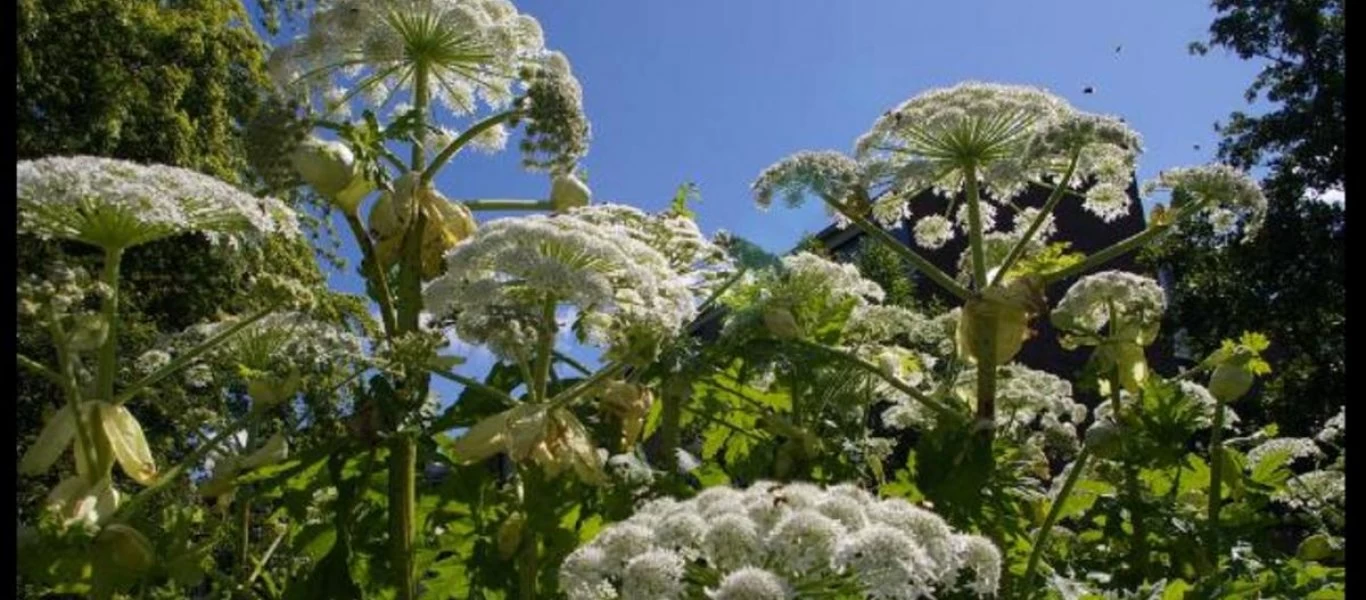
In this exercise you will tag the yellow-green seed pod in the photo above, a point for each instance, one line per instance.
(349, 199)
(510, 535)
(1230, 382)
(329, 167)
(126, 548)
(56, 436)
(568, 192)
(128, 443)
(781, 324)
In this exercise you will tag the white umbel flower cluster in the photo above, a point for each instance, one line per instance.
(116, 204)
(1222, 188)
(1334, 429)
(677, 238)
(773, 541)
(1134, 302)
(473, 50)
(503, 285)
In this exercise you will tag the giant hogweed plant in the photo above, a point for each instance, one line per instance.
(982, 145)
(810, 375)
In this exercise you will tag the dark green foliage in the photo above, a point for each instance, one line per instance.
(1290, 281)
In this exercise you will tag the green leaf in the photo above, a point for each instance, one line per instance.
(1176, 590)
(1315, 547)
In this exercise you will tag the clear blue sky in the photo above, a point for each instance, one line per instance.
(714, 91)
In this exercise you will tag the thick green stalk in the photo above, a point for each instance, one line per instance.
(375, 272)
(109, 311)
(1048, 206)
(403, 448)
(402, 508)
(1216, 475)
(1041, 538)
(986, 364)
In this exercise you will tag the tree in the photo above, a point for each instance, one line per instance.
(151, 82)
(1290, 281)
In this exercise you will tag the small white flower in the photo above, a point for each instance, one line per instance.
(1107, 201)
(932, 232)
(654, 574)
(751, 583)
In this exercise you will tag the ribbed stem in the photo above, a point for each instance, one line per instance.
(1216, 476)
(109, 311)
(402, 502)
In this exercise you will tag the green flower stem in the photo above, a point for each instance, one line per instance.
(545, 348)
(1216, 475)
(109, 311)
(72, 389)
(265, 558)
(474, 384)
(1048, 207)
(1140, 546)
(507, 204)
(528, 555)
(1041, 538)
(919, 262)
(574, 364)
(375, 272)
(244, 544)
(460, 141)
(979, 261)
(403, 447)
(181, 361)
(871, 368)
(39, 369)
(402, 513)
(1123, 246)
(130, 509)
(674, 395)
(567, 396)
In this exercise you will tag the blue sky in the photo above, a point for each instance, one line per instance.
(714, 91)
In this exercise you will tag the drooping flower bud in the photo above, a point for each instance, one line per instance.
(126, 548)
(128, 443)
(1230, 381)
(329, 167)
